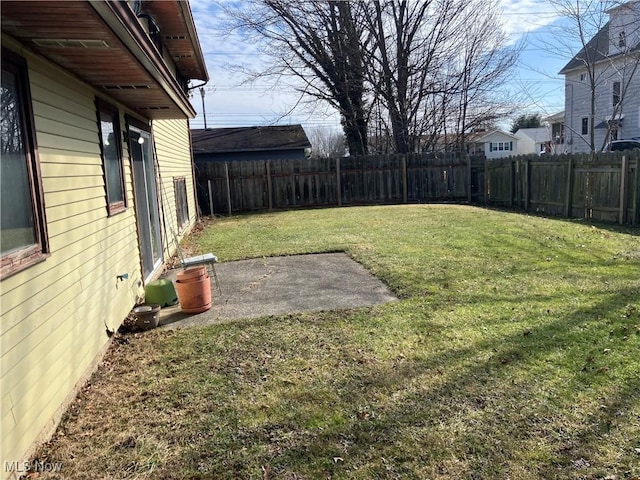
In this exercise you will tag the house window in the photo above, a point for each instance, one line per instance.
(622, 39)
(23, 236)
(616, 93)
(182, 205)
(582, 77)
(111, 151)
(585, 125)
(500, 146)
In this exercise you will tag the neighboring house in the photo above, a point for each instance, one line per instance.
(533, 140)
(494, 144)
(614, 52)
(556, 123)
(281, 142)
(96, 183)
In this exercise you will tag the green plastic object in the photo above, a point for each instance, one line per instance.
(161, 292)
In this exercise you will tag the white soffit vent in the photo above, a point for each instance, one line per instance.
(70, 43)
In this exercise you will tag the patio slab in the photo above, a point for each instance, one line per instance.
(281, 285)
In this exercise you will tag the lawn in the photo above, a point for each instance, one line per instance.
(514, 353)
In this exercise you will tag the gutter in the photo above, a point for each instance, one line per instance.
(123, 22)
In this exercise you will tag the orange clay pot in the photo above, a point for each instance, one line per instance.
(194, 295)
(192, 274)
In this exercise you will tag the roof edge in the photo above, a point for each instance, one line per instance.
(121, 19)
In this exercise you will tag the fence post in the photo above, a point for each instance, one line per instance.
(338, 182)
(569, 189)
(226, 175)
(636, 186)
(624, 166)
(405, 187)
(269, 186)
(486, 181)
(469, 199)
(527, 179)
(210, 197)
(512, 183)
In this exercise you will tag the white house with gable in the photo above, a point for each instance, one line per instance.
(497, 144)
(613, 57)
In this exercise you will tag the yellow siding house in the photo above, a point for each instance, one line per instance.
(96, 184)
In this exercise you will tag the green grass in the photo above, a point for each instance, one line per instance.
(513, 353)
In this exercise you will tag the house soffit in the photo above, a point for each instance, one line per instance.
(104, 45)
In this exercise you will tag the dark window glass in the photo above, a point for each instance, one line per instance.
(616, 93)
(182, 205)
(585, 125)
(112, 158)
(22, 226)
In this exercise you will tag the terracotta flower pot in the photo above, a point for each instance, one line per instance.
(194, 295)
(192, 274)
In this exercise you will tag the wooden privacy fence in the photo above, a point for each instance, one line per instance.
(606, 188)
(240, 186)
(571, 186)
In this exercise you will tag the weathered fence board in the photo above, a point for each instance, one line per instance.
(604, 188)
(568, 186)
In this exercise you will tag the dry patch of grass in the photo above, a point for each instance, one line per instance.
(513, 354)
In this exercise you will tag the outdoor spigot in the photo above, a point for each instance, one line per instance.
(122, 277)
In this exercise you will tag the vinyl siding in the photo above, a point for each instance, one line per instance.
(173, 147)
(54, 313)
(578, 104)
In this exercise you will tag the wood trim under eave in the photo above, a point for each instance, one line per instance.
(124, 24)
(193, 34)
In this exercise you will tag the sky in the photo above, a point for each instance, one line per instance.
(229, 102)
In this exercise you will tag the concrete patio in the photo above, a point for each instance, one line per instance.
(281, 285)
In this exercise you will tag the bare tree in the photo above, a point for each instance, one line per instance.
(430, 58)
(326, 142)
(483, 63)
(417, 67)
(403, 61)
(321, 44)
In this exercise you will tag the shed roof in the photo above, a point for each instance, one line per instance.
(247, 139)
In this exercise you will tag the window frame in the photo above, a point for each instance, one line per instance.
(622, 39)
(616, 91)
(37, 252)
(179, 182)
(585, 125)
(103, 107)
